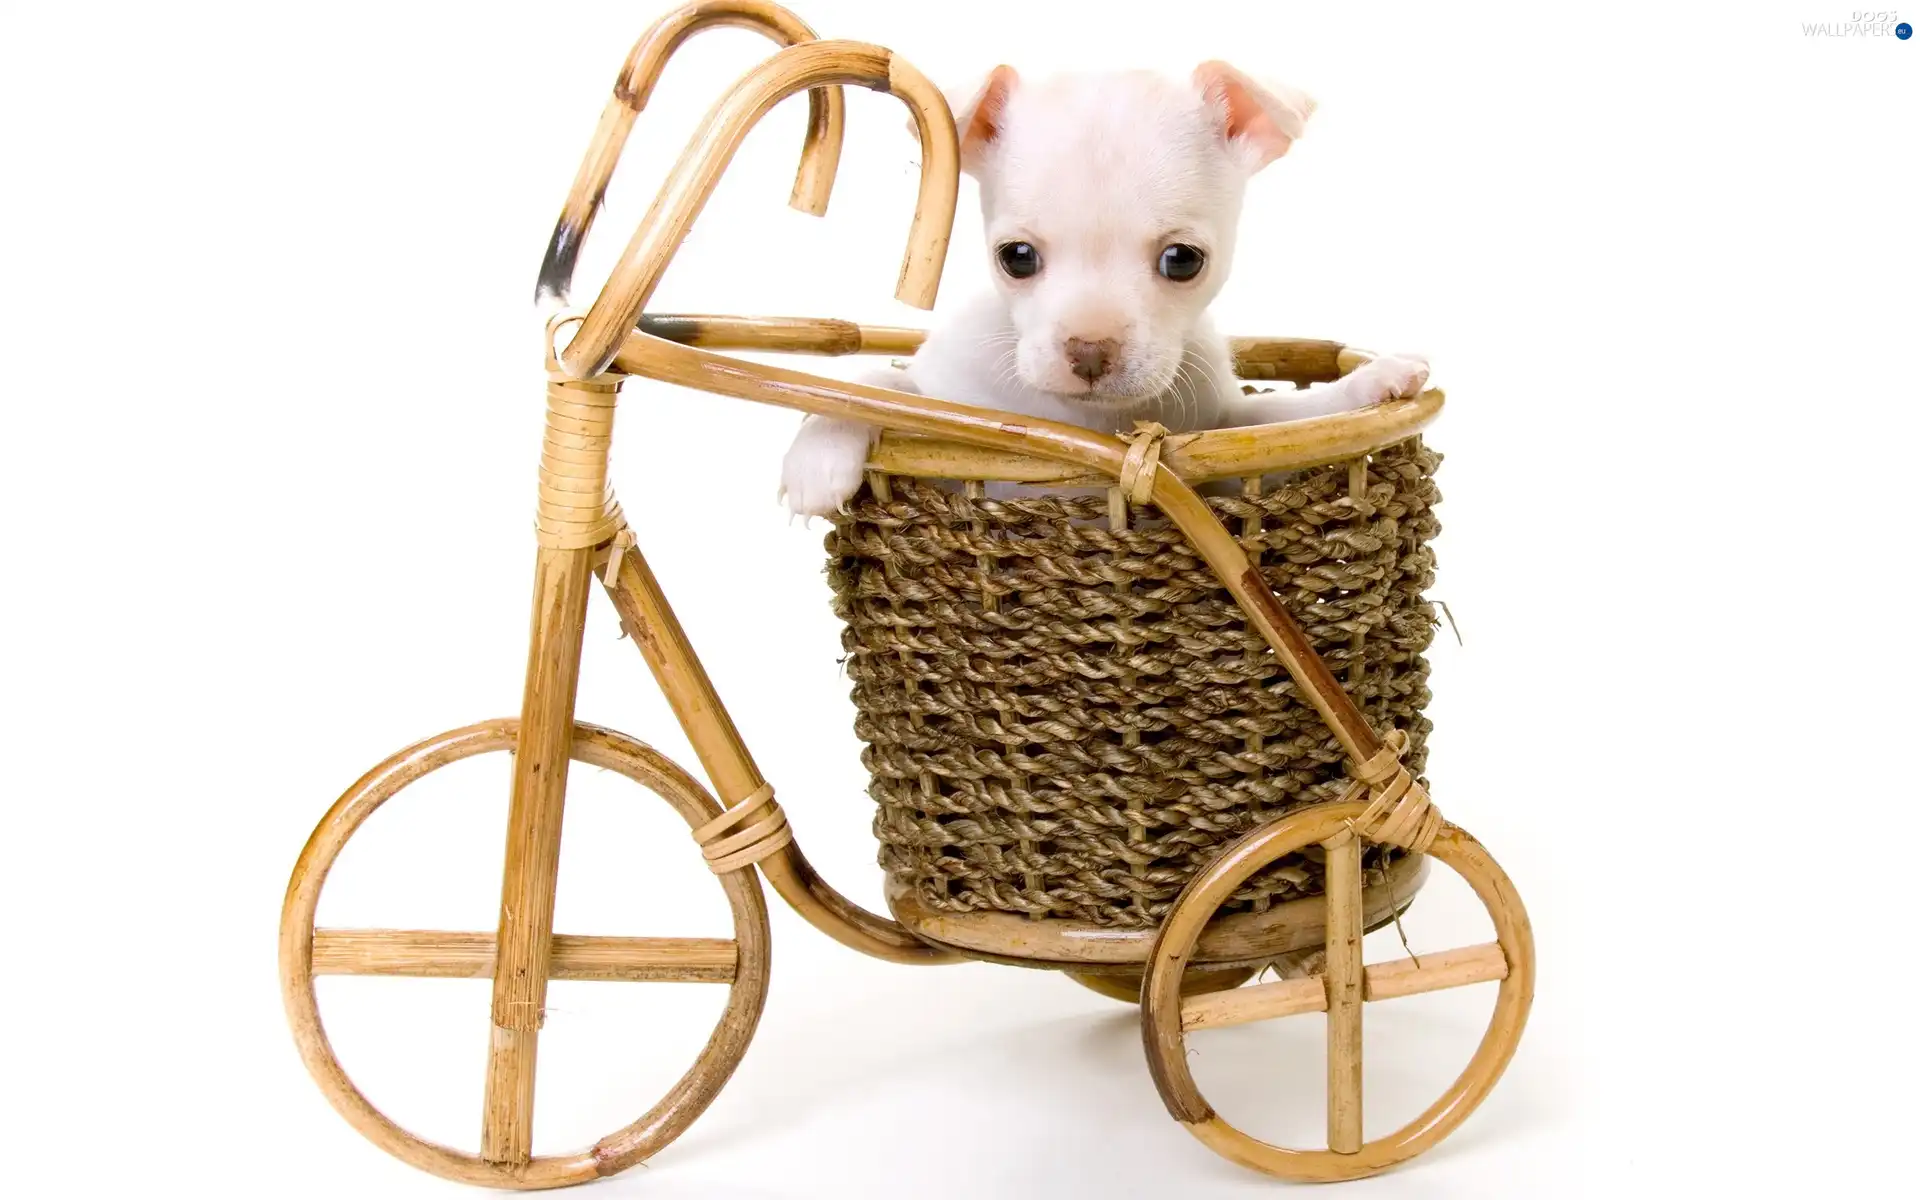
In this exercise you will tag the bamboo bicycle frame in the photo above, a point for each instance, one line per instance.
(583, 535)
(591, 353)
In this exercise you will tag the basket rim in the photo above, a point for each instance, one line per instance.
(1195, 457)
(1200, 457)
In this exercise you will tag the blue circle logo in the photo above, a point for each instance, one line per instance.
(1903, 31)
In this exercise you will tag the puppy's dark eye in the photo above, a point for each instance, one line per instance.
(1020, 260)
(1181, 262)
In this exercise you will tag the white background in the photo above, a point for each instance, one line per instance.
(269, 399)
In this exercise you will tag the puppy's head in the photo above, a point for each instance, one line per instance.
(1111, 203)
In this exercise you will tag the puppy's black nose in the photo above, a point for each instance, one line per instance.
(1091, 360)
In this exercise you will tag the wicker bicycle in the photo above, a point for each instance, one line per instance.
(1105, 735)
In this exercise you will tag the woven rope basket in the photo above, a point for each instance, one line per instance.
(1066, 716)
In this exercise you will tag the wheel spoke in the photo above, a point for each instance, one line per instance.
(1484, 963)
(1345, 978)
(434, 954)
(1388, 981)
(1261, 1002)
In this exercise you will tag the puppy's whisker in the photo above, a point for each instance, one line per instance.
(1182, 392)
(1204, 368)
(1212, 375)
(1007, 367)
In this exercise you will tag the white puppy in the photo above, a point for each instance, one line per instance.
(1111, 203)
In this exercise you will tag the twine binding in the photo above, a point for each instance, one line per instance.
(1401, 813)
(745, 833)
(1142, 461)
(577, 508)
(617, 552)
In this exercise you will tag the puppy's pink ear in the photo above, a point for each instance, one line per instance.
(978, 119)
(1260, 119)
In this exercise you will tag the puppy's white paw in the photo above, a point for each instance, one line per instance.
(1389, 377)
(824, 466)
